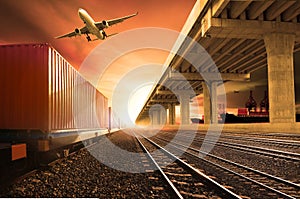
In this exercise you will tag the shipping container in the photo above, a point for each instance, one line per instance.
(40, 91)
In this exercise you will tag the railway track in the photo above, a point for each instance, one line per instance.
(282, 143)
(271, 186)
(274, 153)
(285, 136)
(259, 150)
(184, 180)
(269, 141)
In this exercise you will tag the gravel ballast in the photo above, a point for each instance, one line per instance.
(82, 175)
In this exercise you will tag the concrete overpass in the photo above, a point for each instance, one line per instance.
(241, 37)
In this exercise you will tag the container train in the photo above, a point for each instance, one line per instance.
(45, 104)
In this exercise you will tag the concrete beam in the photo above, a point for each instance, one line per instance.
(249, 60)
(250, 48)
(250, 29)
(191, 57)
(257, 63)
(292, 12)
(163, 101)
(229, 48)
(175, 76)
(257, 67)
(216, 46)
(168, 92)
(237, 7)
(277, 8)
(257, 8)
(218, 6)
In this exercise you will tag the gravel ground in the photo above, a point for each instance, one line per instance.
(81, 175)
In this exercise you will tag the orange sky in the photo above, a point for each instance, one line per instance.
(41, 20)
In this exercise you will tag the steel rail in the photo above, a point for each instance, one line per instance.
(256, 150)
(224, 190)
(238, 165)
(174, 189)
(264, 140)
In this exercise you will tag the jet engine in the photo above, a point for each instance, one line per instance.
(105, 24)
(77, 31)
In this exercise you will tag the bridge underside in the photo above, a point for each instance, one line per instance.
(240, 37)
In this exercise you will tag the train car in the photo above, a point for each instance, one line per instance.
(44, 102)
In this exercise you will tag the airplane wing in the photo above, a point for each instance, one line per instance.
(83, 30)
(111, 22)
(119, 20)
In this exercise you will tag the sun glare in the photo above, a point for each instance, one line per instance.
(137, 100)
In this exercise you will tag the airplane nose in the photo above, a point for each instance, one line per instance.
(80, 12)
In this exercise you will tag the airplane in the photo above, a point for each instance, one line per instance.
(92, 27)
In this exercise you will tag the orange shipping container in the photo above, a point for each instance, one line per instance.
(40, 90)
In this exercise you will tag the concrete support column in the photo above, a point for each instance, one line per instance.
(206, 103)
(279, 47)
(214, 102)
(155, 114)
(184, 108)
(210, 102)
(109, 119)
(162, 116)
(171, 114)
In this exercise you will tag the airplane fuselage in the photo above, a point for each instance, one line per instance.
(94, 28)
(90, 23)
